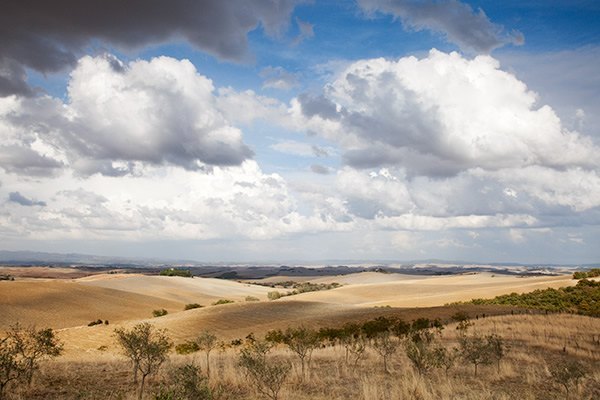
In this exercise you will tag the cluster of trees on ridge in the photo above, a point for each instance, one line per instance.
(592, 273)
(583, 298)
(186, 273)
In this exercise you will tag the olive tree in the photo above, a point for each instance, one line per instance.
(476, 350)
(21, 352)
(206, 342)
(567, 373)
(385, 345)
(265, 374)
(147, 348)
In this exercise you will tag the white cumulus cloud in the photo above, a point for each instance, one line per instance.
(160, 111)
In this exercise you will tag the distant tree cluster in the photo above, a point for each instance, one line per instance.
(186, 273)
(191, 306)
(222, 301)
(298, 287)
(583, 298)
(98, 322)
(592, 273)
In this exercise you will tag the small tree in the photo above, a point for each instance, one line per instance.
(10, 367)
(497, 348)
(146, 347)
(476, 350)
(21, 352)
(566, 373)
(32, 346)
(207, 341)
(419, 348)
(266, 375)
(356, 346)
(302, 341)
(443, 358)
(464, 322)
(385, 345)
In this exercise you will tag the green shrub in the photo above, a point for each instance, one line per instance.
(159, 313)
(222, 301)
(252, 298)
(185, 383)
(274, 295)
(187, 348)
(191, 306)
(592, 273)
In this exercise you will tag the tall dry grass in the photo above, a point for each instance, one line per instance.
(534, 341)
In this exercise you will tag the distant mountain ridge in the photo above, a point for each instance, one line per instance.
(46, 258)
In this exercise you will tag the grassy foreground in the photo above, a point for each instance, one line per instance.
(535, 343)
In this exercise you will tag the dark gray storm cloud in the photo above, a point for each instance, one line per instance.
(469, 29)
(18, 198)
(47, 36)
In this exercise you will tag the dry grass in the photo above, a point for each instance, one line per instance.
(179, 289)
(402, 291)
(533, 339)
(62, 303)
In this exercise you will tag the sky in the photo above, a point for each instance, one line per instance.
(278, 130)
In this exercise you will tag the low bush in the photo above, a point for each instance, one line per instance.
(191, 306)
(274, 295)
(222, 301)
(159, 313)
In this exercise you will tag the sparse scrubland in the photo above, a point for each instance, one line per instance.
(520, 356)
(509, 347)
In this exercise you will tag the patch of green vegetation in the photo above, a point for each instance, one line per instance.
(222, 301)
(592, 273)
(187, 347)
(274, 295)
(159, 313)
(186, 273)
(191, 306)
(252, 298)
(583, 298)
(298, 287)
